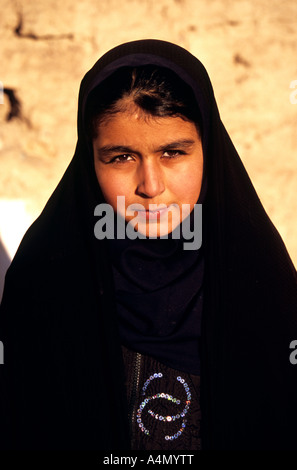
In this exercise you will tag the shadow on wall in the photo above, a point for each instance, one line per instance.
(4, 264)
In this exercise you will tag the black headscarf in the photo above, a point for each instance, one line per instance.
(62, 384)
(159, 293)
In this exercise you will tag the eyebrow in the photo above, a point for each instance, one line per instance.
(107, 150)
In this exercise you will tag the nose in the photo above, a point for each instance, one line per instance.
(150, 180)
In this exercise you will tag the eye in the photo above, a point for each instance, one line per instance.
(121, 158)
(172, 153)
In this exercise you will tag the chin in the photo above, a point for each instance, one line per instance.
(156, 229)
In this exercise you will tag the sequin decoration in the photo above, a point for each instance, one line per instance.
(164, 396)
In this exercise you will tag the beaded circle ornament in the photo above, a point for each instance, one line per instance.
(164, 396)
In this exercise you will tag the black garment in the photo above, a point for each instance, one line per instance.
(62, 384)
(159, 294)
(163, 405)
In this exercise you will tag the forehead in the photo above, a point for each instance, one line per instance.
(137, 126)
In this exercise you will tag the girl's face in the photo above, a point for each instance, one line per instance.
(152, 162)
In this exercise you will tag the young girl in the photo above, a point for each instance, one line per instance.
(121, 329)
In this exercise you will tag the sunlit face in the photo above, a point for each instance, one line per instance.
(155, 163)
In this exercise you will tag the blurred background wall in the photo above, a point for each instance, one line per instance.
(249, 48)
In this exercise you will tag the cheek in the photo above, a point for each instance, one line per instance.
(112, 185)
(187, 185)
(194, 187)
(106, 184)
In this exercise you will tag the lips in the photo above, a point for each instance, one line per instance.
(153, 214)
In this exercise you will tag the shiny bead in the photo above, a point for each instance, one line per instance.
(168, 397)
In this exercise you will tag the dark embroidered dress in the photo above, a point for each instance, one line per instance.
(164, 405)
